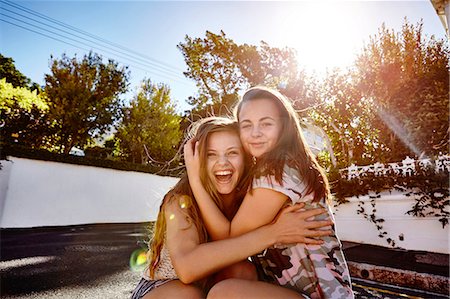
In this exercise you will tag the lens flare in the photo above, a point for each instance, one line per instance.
(396, 127)
(138, 260)
(184, 201)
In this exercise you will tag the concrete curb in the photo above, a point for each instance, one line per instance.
(406, 278)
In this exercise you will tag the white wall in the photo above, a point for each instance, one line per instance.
(419, 233)
(39, 193)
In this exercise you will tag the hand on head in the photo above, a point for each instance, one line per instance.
(191, 158)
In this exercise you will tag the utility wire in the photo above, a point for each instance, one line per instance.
(163, 70)
(84, 49)
(27, 10)
(142, 61)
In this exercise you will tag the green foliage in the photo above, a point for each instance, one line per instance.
(406, 76)
(24, 116)
(221, 69)
(346, 116)
(429, 189)
(150, 122)
(212, 62)
(84, 98)
(394, 102)
(24, 98)
(12, 75)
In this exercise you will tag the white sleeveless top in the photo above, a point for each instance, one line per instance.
(165, 268)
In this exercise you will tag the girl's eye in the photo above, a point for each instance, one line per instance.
(245, 126)
(266, 125)
(210, 155)
(233, 153)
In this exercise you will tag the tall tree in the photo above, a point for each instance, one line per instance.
(84, 97)
(212, 62)
(406, 75)
(150, 121)
(222, 68)
(24, 116)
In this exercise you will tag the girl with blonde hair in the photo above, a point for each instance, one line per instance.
(181, 256)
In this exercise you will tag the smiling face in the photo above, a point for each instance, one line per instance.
(260, 126)
(225, 160)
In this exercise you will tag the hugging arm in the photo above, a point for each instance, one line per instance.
(257, 209)
(193, 260)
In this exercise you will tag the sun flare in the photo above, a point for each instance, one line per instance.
(321, 33)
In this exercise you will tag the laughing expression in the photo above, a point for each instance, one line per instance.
(225, 160)
(259, 125)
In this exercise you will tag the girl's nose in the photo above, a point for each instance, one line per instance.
(222, 159)
(255, 131)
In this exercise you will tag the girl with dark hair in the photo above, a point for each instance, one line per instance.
(181, 258)
(284, 172)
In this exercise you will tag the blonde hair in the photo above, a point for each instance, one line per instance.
(200, 131)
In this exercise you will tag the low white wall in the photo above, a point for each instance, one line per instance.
(419, 233)
(39, 193)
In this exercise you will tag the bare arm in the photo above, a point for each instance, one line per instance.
(217, 225)
(257, 209)
(193, 261)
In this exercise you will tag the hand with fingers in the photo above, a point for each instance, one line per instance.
(292, 225)
(192, 159)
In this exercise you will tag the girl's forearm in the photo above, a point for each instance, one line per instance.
(217, 225)
(208, 258)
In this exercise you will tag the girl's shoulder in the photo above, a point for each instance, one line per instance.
(288, 173)
(290, 184)
(177, 202)
(291, 174)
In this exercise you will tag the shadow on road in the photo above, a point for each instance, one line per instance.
(40, 259)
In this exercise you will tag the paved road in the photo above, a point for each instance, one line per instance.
(92, 261)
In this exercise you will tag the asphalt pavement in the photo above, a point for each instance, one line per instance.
(93, 261)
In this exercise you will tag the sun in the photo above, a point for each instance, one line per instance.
(323, 33)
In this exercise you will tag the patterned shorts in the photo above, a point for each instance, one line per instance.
(144, 286)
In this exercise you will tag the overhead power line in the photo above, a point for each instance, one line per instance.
(138, 60)
(32, 12)
(83, 43)
(84, 49)
(146, 63)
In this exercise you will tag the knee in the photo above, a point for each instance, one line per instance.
(223, 289)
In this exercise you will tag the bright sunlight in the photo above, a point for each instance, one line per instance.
(321, 33)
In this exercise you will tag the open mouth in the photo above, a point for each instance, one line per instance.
(223, 176)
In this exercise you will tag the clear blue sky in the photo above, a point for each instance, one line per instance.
(324, 33)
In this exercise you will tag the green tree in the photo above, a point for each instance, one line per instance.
(24, 116)
(84, 97)
(406, 76)
(346, 117)
(150, 122)
(12, 75)
(212, 63)
(221, 69)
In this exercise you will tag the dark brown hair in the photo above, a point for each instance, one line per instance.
(290, 148)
